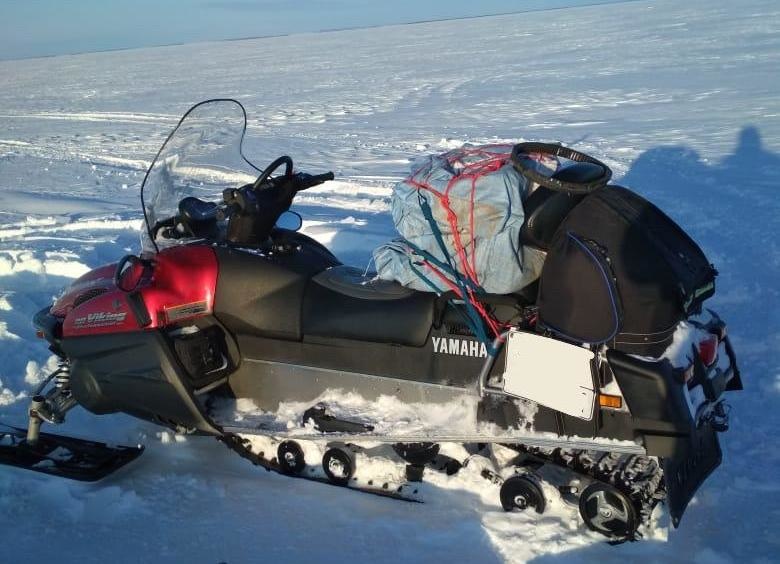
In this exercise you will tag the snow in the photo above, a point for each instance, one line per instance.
(680, 99)
(386, 414)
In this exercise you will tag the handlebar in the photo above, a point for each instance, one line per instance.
(252, 209)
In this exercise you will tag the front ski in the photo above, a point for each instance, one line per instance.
(65, 457)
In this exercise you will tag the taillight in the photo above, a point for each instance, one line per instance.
(708, 349)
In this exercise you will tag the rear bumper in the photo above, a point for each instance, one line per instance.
(697, 457)
(679, 423)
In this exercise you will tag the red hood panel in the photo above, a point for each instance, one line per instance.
(181, 285)
(102, 278)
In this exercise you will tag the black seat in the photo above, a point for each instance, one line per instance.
(545, 209)
(343, 303)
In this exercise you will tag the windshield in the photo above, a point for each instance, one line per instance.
(200, 158)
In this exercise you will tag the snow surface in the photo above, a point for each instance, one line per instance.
(680, 99)
(388, 416)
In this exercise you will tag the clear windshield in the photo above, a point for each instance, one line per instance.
(200, 158)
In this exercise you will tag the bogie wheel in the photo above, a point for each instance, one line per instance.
(339, 466)
(522, 492)
(608, 511)
(290, 457)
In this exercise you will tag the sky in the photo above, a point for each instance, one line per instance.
(36, 28)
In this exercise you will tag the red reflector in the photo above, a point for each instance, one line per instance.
(708, 349)
(40, 334)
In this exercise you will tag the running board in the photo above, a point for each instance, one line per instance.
(541, 440)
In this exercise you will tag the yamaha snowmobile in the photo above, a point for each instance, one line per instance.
(605, 384)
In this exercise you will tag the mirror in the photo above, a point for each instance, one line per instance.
(290, 220)
(129, 273)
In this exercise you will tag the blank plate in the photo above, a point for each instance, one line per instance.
(551, 373)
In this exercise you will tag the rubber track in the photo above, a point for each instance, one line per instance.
(639, 477)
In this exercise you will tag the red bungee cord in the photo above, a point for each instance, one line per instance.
(493, 158)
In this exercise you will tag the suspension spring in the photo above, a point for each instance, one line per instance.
(62, 379)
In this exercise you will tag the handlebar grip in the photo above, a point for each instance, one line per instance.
(307, 181)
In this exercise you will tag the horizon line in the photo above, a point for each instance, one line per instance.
(314, 32)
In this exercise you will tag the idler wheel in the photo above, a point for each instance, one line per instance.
(339, 465)
(290, 457)
(522, 492)
(608, 511)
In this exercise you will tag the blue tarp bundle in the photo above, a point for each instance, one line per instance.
(461, 212)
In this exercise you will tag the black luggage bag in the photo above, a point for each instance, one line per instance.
(621, 272)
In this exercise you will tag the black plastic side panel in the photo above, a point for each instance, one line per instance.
(404, 321)
(262, 295)
(654, 397)
(256, 296)
(135, 373)
(377, 359)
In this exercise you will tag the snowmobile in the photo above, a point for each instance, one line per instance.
(234, 324)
